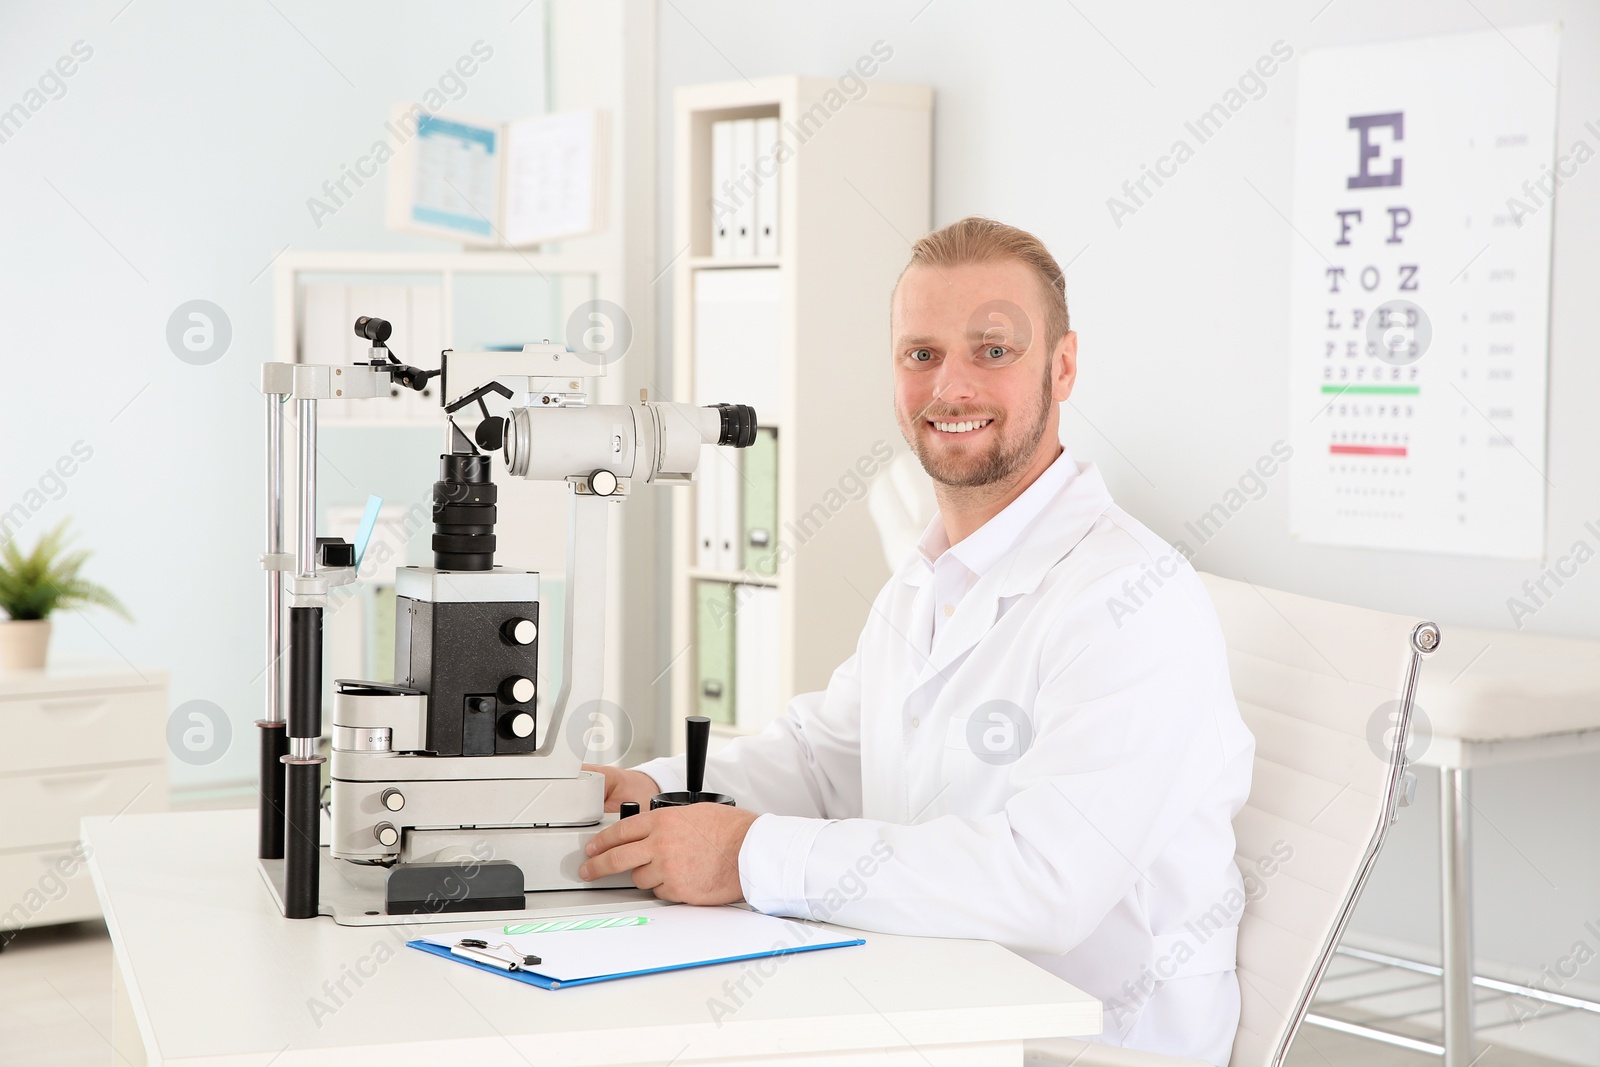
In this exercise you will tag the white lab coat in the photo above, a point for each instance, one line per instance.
(1103, 853)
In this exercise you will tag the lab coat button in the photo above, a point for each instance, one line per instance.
(915, 721)
(949, 610)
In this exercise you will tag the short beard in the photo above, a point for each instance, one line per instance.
(1001, 463)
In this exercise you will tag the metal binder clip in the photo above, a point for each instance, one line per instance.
(480, 951)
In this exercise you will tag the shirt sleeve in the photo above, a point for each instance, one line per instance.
(1130, 729)
(807, 763)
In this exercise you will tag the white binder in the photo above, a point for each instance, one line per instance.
(708, 555)
(744, 158)
(722, 192)
(730, 513)
(755, 657)
(767, 195)
(717, 510)
(737, 317)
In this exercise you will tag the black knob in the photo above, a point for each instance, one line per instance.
(490, 433)
(375, 330)
(629, 808)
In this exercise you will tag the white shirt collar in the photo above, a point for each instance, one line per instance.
(979, 550)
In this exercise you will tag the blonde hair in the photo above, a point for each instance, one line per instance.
(976, 239)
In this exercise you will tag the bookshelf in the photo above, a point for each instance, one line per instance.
(854, 190)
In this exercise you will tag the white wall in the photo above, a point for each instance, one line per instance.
(176, 165)
(1042, 111)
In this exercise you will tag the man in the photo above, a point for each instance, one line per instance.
(1012, 753)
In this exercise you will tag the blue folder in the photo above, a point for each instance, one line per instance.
(542, 982)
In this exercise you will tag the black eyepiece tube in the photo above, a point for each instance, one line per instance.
(738, 425)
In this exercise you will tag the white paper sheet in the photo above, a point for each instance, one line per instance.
(649, 939)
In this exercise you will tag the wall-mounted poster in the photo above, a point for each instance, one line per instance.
(1424, 177)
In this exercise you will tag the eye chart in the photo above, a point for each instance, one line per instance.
(1424, 177)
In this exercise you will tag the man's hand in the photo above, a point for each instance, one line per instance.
(688, 854)
(622, 784)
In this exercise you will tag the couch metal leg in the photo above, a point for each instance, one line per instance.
(1455, 935)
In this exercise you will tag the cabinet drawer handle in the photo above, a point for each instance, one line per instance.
(85, 784)
(65, 706)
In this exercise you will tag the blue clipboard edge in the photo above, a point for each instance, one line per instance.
(531, 978)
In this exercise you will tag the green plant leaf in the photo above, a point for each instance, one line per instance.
(49, 579)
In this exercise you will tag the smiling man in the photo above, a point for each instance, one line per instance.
(1003, 757)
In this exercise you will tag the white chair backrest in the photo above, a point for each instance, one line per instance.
(901, 503)
(1326, 688)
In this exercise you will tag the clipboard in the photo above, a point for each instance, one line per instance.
(585, 949)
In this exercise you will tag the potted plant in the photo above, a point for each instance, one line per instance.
(34, 585)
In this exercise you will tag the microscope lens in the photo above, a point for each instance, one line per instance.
(463, 514)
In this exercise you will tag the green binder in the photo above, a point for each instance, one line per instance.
(714, 629)
(760, 520)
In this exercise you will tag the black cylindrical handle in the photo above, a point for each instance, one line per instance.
(697, 734)
(305, 672)
(303, 790)
(274, 746)
(302, 856)
(629, 808)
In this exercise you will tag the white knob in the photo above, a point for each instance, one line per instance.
(521, 631)
(602, 483)
(393, 799)
(522, 725)
(386, 834)
(516, 690)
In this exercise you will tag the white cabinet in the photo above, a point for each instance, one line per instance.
(79, 740)
(801, 333)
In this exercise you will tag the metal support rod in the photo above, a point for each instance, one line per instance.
(273, 740)
(583, 676)
(1455, 913)
(306, 556)
(274, 517)
(303, 790)
(1372, 1034)
(1527, 992)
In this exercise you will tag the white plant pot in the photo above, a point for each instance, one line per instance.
(23, 644)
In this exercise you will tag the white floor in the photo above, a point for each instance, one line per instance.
(55, 1010)
(55, 997)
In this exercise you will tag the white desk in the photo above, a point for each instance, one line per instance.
(208, 972)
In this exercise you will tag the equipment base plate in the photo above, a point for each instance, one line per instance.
(352, 894)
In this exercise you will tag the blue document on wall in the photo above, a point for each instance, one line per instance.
(580, 949)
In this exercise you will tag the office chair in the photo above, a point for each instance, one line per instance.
(1327, 689)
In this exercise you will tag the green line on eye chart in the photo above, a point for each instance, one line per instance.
(554, 925)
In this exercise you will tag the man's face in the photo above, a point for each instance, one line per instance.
(969, 347)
